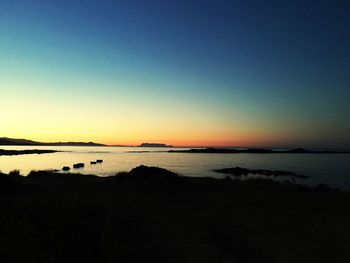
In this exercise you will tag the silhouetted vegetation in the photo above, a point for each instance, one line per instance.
(7, 180)
(150, 214)
(56, 174)
(146, 173)
(14, 173)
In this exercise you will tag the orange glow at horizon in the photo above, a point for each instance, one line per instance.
(51, 116)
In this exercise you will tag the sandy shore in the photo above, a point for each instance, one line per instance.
(151, 217)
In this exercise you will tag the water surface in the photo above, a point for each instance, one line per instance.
(332, 169)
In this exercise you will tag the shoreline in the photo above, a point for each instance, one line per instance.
(151, 214)
(258, 151)
(21, 152)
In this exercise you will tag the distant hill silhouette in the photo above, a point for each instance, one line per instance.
(12, 141)
(154, 145)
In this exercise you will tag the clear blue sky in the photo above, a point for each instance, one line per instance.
(266, 73)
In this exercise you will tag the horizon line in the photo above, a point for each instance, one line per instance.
(168, 145)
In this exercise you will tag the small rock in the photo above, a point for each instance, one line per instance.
(78, 165)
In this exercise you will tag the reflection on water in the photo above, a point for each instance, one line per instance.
(332, 169)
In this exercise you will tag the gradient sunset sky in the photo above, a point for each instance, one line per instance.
(221, 73)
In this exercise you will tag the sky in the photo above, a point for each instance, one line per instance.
(198, 73)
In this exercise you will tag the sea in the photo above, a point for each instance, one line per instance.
(330, 169)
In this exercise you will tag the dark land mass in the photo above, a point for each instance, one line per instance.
(152, 215)
(19, 152)
(11, 141)
(253, 150)
(239, 171)
(154, 145)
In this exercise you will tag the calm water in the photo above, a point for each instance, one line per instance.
(333, 169)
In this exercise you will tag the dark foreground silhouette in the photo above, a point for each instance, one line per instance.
(153, 215)
(19, 152)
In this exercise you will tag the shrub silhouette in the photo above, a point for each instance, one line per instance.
(14, 173)
(148, 173)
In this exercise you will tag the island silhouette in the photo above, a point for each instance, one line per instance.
(160, 145)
